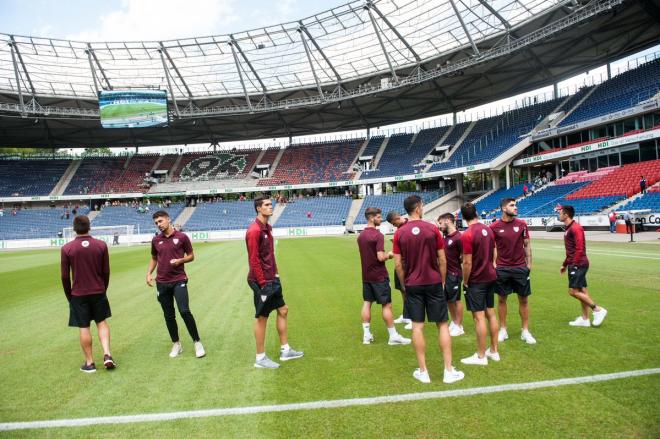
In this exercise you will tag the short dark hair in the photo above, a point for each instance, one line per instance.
(159, 213)
(568, 210)
(411, 203)
(371, 212)
(81, 224)
(505, 201)
(447, 216)
(259, 201)
(469, 211)
(391, 215)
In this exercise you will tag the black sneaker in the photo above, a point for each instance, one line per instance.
(108, 362)
(88, 368)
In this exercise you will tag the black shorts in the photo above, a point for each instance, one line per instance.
(480, 296)
(265, 304)
(426, 300)
(397, 283)
(513, 280)
(84, 309)
(379, 292)
(453, 288)
(577, 276)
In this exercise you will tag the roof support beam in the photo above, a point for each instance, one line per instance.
(377, 31)
(20, 59)
(18, 78)
(240, 74)
(496, 14)
(458, 15)
(316, 45)
(169, 82)
(234, 44)
(176, 70)
(98, 66)
(91, 67)
(396, 32)
(311, 63)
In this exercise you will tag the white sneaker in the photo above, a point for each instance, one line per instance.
(495, 356)
(176, 350)
(199, 349)
(408, 325)
(527, 337)
(580, 322)
(599, 316)
(452, 376)
(474, 359)
(398, 339)
(367, 338)
(502, 335)
(456, 330)
(422, 376)
(400, 319)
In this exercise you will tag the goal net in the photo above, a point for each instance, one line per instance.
(112, 235)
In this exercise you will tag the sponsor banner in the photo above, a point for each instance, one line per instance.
(597, 146)
(72, 197)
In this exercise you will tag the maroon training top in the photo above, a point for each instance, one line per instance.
(453, 252)
(261, 253)
(509, 239)
(370, 242)
(418, 244)
(479, 242)
(576, 246)
(88, 260)
(166, 248)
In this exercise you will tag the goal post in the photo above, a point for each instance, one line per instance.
(112, 235)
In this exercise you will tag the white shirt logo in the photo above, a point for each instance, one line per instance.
(484, 232)
(415, 231)
(176, 241)
(160, 243)
(85, 244)
(516, 229)
(501, 231)
(450, 242)
(265, 236)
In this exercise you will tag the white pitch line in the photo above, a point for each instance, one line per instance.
(316, 405)
(621, 254)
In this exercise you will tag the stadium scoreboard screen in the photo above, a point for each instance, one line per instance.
(133, 109)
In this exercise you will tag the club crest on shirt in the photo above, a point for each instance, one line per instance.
(484, 232)
(85, 244)
(160, 243)
(516, 229)
(415, 231)
(501, 231)
(176, 241)
(450, 242)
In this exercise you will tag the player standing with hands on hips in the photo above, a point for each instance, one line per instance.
(170, 250)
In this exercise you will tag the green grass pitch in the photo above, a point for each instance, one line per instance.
(127, 111)
(40, 355)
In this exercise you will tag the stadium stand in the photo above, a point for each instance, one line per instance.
(127, 215)
(544, 203)
(622, 182)
(35, 223)
(391, 202)
(21, 178)
(309, 163)
(167, 162)
(492, 201)
(96, 175)
(575, 98)
(132, 178)
(373, 146)
(315, 211)
(222, 215)
(650, 200)
(623, 91)
(585, 176)
(219, 165)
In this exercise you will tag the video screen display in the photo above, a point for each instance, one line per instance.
(133, 109)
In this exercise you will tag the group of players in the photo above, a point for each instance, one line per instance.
(432, 262)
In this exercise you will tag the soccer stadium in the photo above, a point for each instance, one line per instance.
(270, 161)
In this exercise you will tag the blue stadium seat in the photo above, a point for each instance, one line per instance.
(391, 202)
(223, 215)
(22, 178)
(127, 215)
(325, 211)
(35, 223)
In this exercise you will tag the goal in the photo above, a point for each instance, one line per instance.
(112, 235)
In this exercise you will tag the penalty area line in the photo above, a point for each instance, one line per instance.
(316, 405)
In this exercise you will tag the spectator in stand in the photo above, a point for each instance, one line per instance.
(531, 189)
(13, 212)
(548, 175)
(627, 217)
(309, 215)
(612, 217)
(2, 213)
(525, 190)
(642, 184)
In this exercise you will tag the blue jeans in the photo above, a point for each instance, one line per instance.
(612, 226)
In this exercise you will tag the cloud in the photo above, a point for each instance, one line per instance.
(151, 20)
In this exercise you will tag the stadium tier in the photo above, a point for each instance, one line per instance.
(311, 163)
(35, 223)
(21, 178)
(585, 176)
(223, 215)
(132, 179)
(315, 211)
(96, 176)
(219, 165)
(391, 202)
(622, 182)
(544, 202)
(650, 200)
(127, 215)
(373, 146)
(623, 91)
(492, 201)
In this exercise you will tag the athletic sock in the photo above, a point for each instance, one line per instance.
(285, 347)
(366, 327)
(392, 331)
(261, 356)
(593, 306)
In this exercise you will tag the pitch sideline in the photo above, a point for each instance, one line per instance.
(315, 405)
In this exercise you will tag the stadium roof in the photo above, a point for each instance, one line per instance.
(363, 64)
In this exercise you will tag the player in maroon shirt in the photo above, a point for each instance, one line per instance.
(375, 280)
(514, 264)
(422, 268)
(88, 260)
(479, 284)
(394, 218)
(170, 250)
(454, 254)
(264, 281)
(577, 265)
